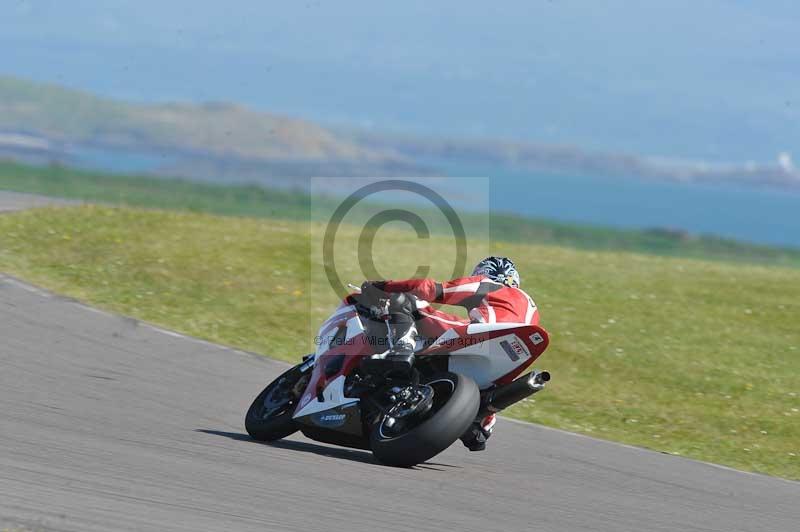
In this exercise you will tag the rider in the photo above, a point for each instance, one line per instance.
(491, 295)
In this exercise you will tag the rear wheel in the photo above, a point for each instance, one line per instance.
(269, 418)
(411, 439)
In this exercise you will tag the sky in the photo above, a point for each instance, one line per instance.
(711, 79)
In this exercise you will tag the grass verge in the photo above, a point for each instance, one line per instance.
(255, 201)
(687, 357)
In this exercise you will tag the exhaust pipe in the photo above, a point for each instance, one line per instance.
(513, 392)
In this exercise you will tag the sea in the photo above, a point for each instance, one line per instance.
(761, 215)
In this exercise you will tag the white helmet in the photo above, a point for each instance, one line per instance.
(499, 269)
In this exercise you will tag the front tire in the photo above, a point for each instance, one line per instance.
(269, 418)
(443, 426)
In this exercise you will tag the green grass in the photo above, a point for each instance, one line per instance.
(254, 201)
(155, 192)
(682, 356)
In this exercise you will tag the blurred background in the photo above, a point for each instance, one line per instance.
(674, 119)
(614, 144)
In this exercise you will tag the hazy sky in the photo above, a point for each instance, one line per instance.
(716, 79)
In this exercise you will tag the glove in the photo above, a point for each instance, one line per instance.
(372, 292)
(369, 300)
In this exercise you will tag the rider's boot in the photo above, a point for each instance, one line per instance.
(401, 356)
(477, 434)
(398, 360)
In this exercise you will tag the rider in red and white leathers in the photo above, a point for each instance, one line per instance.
(490, 295)
(486, 300)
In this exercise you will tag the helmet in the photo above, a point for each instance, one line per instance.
(499, 269)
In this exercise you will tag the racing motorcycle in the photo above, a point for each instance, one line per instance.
(404, 418)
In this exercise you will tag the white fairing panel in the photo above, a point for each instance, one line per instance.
(333, 396)
(354, 327)
(487, 361)
(337, 314)
(477, 328)
(324, 335)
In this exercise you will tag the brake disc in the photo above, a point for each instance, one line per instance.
(412, 401)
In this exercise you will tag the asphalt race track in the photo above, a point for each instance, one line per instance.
(110, 424)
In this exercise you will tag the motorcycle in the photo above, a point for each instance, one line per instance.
(404, 419)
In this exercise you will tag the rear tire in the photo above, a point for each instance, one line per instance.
(271, 426)
(437, 432)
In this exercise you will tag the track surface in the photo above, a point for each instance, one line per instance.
(109, 424)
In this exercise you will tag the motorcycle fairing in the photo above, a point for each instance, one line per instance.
(335, 411)
(341, 344)
(490, 353)
(345, 319)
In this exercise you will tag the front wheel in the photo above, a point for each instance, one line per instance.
(269, 418)
(455, 404)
